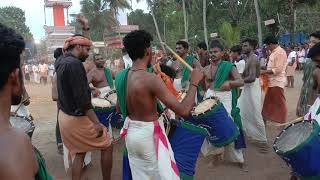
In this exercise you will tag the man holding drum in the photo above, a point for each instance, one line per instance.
(16, 153)
(221, 77)
(149, 151)
(182, 73)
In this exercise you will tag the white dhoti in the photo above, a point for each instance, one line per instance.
(177, 84)
(149, 151)
(250, 109)
(312, 114)
(231, 154)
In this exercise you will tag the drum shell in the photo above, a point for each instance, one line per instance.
(221, 128)
(30, 131)
(186, 141)
(304, 159)
(103, 114)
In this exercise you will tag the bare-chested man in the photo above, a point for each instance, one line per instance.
(182, 73)
(17, 159)
(221, 77)
(149, 150)
(250, 99)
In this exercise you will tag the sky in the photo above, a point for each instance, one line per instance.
(35, 18)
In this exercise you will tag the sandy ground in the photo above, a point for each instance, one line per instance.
(260, 166)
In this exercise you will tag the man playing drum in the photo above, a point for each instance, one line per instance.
(181, 80)
(16, 151)
(314, 111)
(221, 77)
(149, 151)
(100, 76)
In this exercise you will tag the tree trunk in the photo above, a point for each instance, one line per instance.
(205, 22)
(185, 20)
(158, 32)
(256, 5)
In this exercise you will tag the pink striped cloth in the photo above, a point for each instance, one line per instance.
(166, 166)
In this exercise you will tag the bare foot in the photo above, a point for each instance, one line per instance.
(243, 166)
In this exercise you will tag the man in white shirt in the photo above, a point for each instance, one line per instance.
(36, 75)
(301, 56)
(51, 71)
(126, 59)
(292, 65)
(235, 56)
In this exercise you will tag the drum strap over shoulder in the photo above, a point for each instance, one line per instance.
(186, 72)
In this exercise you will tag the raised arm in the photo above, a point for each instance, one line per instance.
(85, 25)
(166, 97)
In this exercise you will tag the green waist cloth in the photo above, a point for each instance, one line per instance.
(42, 173)
(186, 71)
(121, 89)
(108, 75)
(222, 75)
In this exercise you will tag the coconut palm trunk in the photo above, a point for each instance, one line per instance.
(157, 30)
(205, 31)
(256, 5)
(185, 20)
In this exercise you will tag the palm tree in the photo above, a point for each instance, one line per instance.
(185, 20)
(115, 5)
(256, 6)
(100, 17)
(150, 4)
(204, 16)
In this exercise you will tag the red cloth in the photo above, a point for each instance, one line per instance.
(76, 40)
(275, 106)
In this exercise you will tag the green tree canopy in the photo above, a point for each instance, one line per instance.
(14, 18)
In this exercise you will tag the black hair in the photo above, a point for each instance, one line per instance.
(216, 44)
(252, 42)
(11, 46)
(168, 71)
(124, 51)
(202, 45)
(184, 44)
(136, 43)
(316, 34)
(236, 49)
(57, 53)
(314, 51)
(270, 40)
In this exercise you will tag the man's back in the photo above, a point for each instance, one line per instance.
(141, 103)
(17, 160)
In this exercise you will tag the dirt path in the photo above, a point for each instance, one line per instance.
(260, 166)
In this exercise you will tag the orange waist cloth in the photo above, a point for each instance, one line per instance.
(264, 82)
(78, 134)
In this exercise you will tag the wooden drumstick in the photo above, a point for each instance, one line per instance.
(290, 122)
(178, 57)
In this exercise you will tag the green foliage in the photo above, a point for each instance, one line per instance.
(230, 35)
(14, 18)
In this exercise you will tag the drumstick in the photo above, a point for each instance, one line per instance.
(178, 57)
(290, 122)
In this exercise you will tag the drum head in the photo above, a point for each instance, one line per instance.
(204, 106)
(21, 123)
(102, 103)
(293, 136)
(112, 97)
